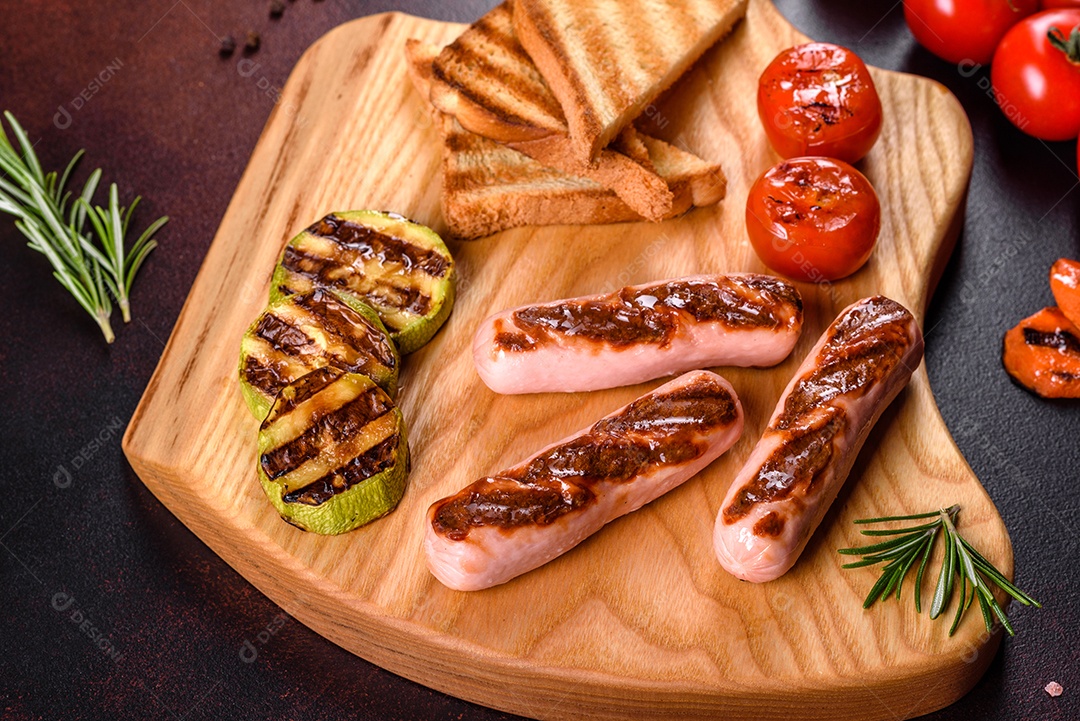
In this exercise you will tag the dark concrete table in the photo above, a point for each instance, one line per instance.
(111, 608)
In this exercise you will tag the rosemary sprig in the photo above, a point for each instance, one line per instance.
(54, 221)
(111, 226)
(962, 565)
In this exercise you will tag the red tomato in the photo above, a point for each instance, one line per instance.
(1037, 85)
(959, 30)
(1056, 4)
(814, 219)
(819, 99)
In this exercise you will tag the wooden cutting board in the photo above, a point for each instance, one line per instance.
(640, 620)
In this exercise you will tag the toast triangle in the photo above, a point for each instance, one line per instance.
(486, 80)
(489, 187)
(607, 60)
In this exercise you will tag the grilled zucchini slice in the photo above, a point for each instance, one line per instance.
(401, 269)
(333, 454)
(303, 332)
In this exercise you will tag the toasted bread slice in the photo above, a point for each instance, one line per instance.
(607, 60)
(486, 80)
(631, 144)
(489, 187)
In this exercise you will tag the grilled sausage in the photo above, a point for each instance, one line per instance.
(519, 519)
(639, 333)
(793, 474)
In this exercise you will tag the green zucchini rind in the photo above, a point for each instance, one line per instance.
(303, 332)
(333, 452)
(401, 269)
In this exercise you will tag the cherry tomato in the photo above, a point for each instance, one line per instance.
(1037, 85)
(819, 99)
(959, 30)
(813, 219)
(1057, 4)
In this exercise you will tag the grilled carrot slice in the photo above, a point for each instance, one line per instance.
(1065, 284)
(1042, 353)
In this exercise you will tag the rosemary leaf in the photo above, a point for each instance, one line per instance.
(885, 519)
(878, 548)
(960, 607)
(896, 531)
(919, 550)
(961, 565)
(943, 589)
(922, 569)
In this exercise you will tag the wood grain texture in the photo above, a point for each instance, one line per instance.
(640, 620)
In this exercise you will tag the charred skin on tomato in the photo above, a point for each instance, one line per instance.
(1042, 353)
(333, 452)
(819, 99)
(401, 269)
(813, 219)
(303, 332)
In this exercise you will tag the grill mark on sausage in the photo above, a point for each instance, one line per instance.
(865, 347)
(1060, 339)
(768, 285)
(336, 273)
(348, 325)
(794, 465)
(510, 340)
(696, 407)
(375, 460)
(653, 314)
(619, 324)
(506, 503)
(771, 524)
(736, 302)
(369, 243)
(596, 457)
(326, 427)
(653, 430)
